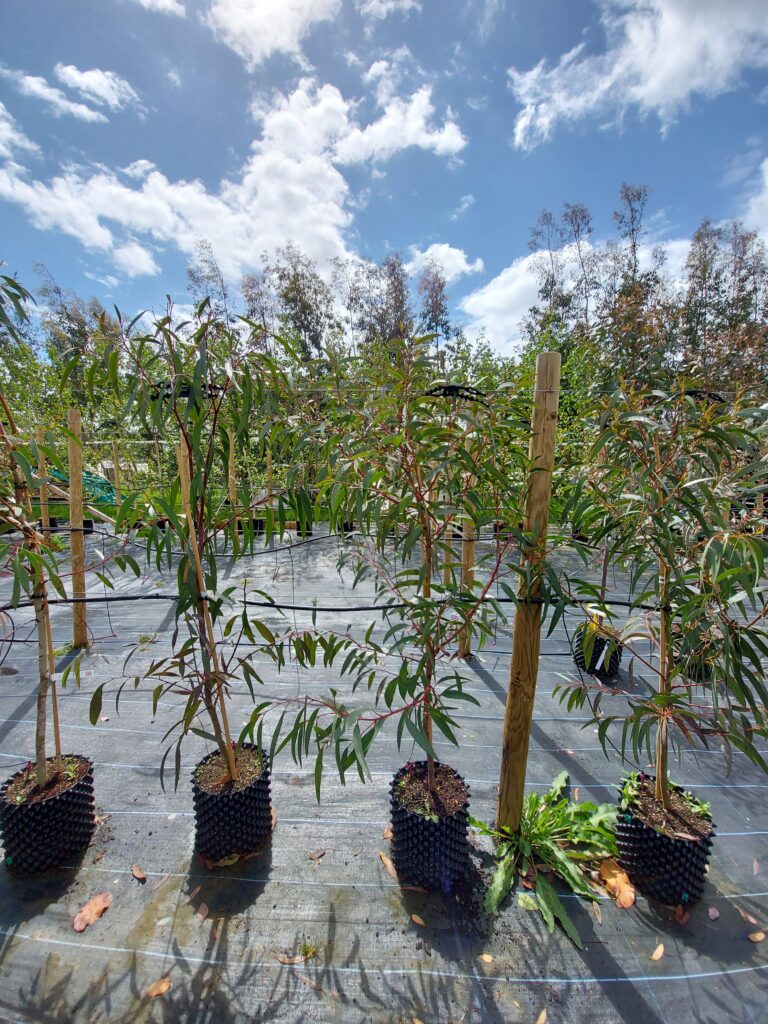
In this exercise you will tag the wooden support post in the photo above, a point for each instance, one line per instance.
(527, 627)
(42, 473)
(76, 538)
(116, 472)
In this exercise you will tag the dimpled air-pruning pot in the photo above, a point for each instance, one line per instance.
(600, 663)
(669, 869)
(43, 831)
(426, 851)
(230, 819)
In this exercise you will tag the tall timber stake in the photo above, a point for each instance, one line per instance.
(76, 538)
(527, 628)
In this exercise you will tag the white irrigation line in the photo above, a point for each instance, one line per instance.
(390, 972)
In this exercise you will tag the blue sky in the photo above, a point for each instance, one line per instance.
(130, 129)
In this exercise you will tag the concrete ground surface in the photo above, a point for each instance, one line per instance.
(218, 935)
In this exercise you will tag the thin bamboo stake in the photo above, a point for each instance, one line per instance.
(469, 536)
(41, 762)
(52, 677)
(116, 472)
(526, 640)
(76, 538)
(45, 517)
(231, 477)
(182, 459)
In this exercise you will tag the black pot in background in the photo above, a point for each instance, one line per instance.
(434, 854)
(236, 822)
(596, 663)
(303, 530)
(87, 526)
(671, 871)
(42, 835)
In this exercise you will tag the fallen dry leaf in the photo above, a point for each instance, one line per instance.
(387, 833)
(317, 855)
(414, 888)
(714, 913)
(194, 893)
(388, 864)
(685, 835)
(202, 912)
(138, 874)
(681, 914)
(418, 920)
(274, 818)
(486, 958)
(92, 910)
(98, 855)
(576, 794)
(300, 959)
(162, 881)
(308, 981)
(658, 953)
(159, 987)
(542, 1018)
(570, 752)
(597, 911)
(747, 917)
(756, 936)
(416, 1020)
(617, 882)
(755, 867)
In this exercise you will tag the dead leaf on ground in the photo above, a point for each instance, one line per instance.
(159, 987)
(202, 912)
(414, 888)
(616, 881)
(98, 855)
(570, 752)
(300, 959)
(576, 795)
(658, 953)
(486, 958)
(542, 1018)
(274, 818)
(317, 854)
(416, 1020)
(138, 874)
(387, 833)
(390, 867)
(162, 881)
(308, 981)
(682, 916)
(714, 913)
(92, 910)
(597, 911)
(747, 917)
(756, 936)
(418, 920)
(755, 866)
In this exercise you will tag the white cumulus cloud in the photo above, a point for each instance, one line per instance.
(38, 88)
(104, 88)
(163, 6)
(659, 54)
(134, 260)
(380, 9)
(404, 123)
(452, 261)
(255, 29)
(12, 137)
(756, 213)
(498, 307)
(464, 204)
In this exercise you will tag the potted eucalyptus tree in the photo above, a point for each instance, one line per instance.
(200, 383)
(47, 808)
(409, 462)
(671, 465)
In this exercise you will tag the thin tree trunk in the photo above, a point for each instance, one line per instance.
(662, 753)
(43, 686)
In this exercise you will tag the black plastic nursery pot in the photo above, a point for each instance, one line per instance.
(669, 869)
(87, 526)
(597, 662)
(42, 832)
(230, 820)
(430, 852)
(259, 525)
